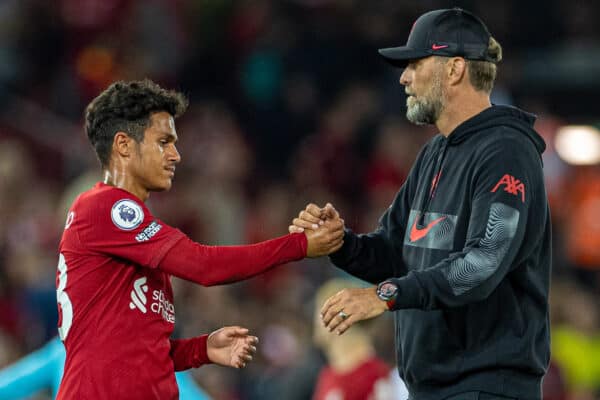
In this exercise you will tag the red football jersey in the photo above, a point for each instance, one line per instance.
(116, 308)
(368, 381)
(115, 297)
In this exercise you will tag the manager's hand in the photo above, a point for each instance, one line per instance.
(313, 216)
(349, 306)
(325, 239)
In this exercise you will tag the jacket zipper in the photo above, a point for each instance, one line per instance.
(434, 179)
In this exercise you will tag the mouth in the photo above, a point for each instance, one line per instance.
(171, 171)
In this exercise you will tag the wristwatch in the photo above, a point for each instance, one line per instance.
(388, 291)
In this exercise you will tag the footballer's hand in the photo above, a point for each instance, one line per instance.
(312, 217)
(326, 239)
(231, 346)
(349, 306)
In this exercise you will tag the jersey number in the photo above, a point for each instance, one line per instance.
(65, 308)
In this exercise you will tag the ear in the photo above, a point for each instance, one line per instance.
(456, 69)
(123, 144)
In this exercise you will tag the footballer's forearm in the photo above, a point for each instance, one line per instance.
(214, 265)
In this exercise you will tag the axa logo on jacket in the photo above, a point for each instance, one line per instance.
(511, 185)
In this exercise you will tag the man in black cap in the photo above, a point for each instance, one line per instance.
(463, 253)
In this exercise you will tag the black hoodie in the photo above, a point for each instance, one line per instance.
(467, 240)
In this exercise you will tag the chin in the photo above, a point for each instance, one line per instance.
(162, 187)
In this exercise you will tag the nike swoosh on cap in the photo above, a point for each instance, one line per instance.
(438, 47)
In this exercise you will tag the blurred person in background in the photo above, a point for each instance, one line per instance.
(217, 215)
(463, 253)
(354, 371)
(42, 370)
(576, 339)
(582, 228)
(395, 147)
(27, 247)
(116, 260)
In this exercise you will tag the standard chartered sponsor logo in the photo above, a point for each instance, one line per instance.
(160, 304)
(138, 297)
(163, 306)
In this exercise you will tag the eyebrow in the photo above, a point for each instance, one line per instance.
(168, 135)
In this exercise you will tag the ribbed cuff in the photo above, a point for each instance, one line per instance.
(201, 353)
(303, 242)
(343, 255)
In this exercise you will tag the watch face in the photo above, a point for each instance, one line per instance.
(387, 290)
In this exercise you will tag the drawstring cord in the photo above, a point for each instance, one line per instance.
(434, 181)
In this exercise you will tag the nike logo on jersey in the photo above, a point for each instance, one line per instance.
(138, 295)
(417, 234)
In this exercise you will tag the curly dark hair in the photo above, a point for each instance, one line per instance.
(127, 107)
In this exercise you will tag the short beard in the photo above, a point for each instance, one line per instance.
(427, 109)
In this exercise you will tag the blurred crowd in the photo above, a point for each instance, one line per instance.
(290, 104)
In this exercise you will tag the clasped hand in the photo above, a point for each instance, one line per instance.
(323, 227)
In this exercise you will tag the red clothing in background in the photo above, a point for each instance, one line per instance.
(361, 383)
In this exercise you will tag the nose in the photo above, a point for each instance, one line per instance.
(174, 155)
(404, 77)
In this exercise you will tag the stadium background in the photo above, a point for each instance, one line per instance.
(289, 104)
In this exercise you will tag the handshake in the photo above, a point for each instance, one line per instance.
(323, 227)
(324, 231)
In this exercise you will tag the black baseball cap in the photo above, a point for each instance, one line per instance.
(448, 32)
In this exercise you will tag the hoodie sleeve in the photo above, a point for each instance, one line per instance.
(505, 182)
(376, 256)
